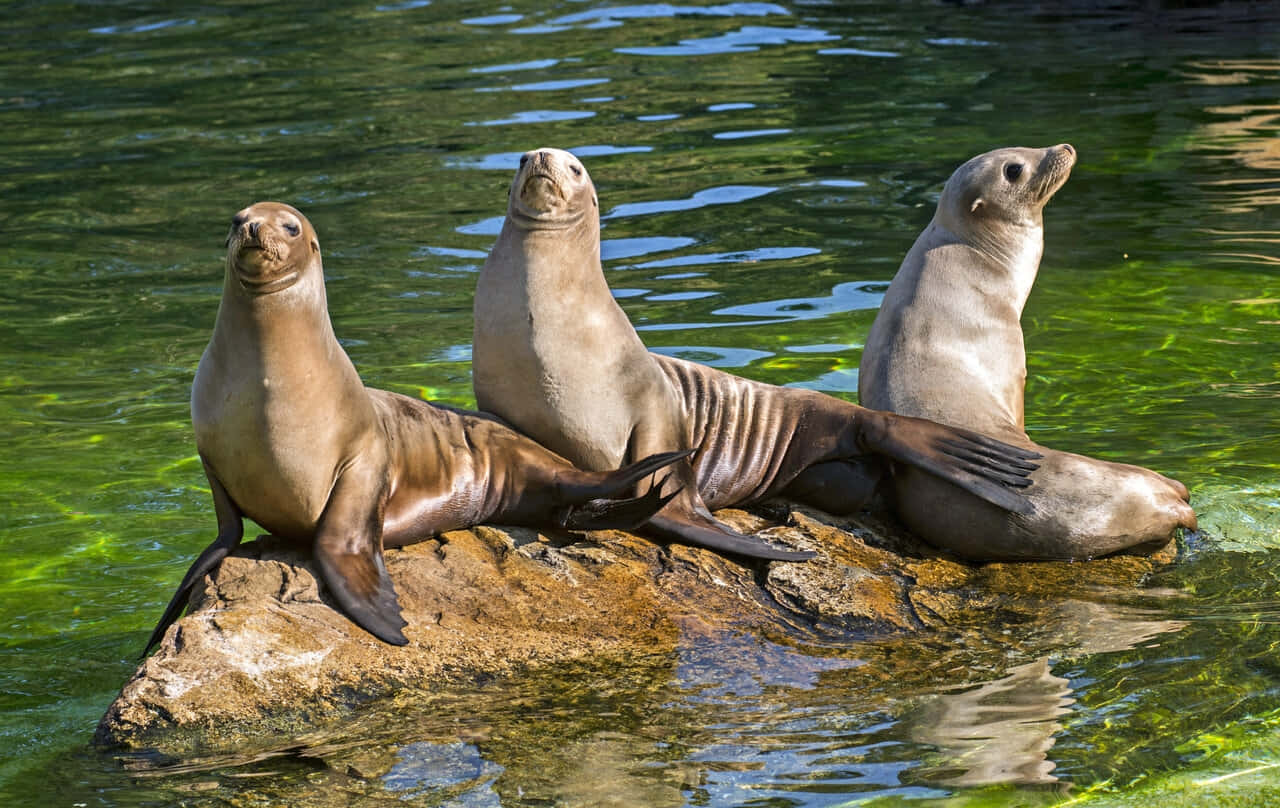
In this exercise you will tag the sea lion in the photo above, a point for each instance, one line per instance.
(947, 344)
(291, 438)
(555, 356)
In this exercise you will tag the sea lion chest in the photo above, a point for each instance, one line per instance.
(556, 357)
(276, 436)
(947, 343)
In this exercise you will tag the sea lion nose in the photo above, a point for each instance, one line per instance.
(1068, 148)
(253, 230)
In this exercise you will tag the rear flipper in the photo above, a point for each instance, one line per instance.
(983, 466)
(704, 531)
(589, 499)
(688, 521)
(683, 518)
(576, 486)
(615, 514)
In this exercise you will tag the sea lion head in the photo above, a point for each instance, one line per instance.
(1005, 187)
(552, 190)
(270, 247)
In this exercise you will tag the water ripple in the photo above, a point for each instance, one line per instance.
(739, 257)
(494, 19)
(859, 52)
(722, 195)
(845, 297)
(655, 10)
(537, 64)
(750, 133)
(510, 161)
(716, 357)
(561, 84)
(749, 38)
(142, 27)
(405, 6)
(537, 116)
(615, 249)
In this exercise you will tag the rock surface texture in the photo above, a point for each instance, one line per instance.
(261, 638)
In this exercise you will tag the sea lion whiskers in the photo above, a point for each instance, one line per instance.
(1054, 171)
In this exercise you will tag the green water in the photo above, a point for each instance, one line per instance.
(762, 169)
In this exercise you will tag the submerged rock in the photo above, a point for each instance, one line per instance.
(263, 649)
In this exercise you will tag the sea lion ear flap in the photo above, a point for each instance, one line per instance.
(315, 245)
(595, 201)
(977, 205)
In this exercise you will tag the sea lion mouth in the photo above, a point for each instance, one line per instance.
(265, 286)
(541, 191)
(257, 266)
(543, 204)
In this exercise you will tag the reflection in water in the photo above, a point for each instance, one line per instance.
(1248, 135)
(840, 380)
(449, 770)
(998, 732)
(1001, 731)
(745, 256)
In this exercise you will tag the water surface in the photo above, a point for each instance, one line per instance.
(762, 168)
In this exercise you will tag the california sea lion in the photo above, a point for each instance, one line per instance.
(947, 344)
(555, 356)
(292, 439)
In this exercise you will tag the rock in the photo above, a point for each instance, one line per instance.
(263, 650)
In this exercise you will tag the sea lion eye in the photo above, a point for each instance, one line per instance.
(291, 229)
(1013, 171)
(577, 172)
(524, 158)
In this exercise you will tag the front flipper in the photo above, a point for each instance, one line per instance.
(230, 532)
(983, 466)
(348, 546)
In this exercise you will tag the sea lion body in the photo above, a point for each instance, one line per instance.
(291, 438)
(947, 344)
(555, 356)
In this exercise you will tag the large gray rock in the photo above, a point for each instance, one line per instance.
(263, 650)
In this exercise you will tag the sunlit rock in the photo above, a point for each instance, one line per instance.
(264, 655)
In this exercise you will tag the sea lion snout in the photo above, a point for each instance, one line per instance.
(268, 246)
(551, 189)
(1055, 168)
